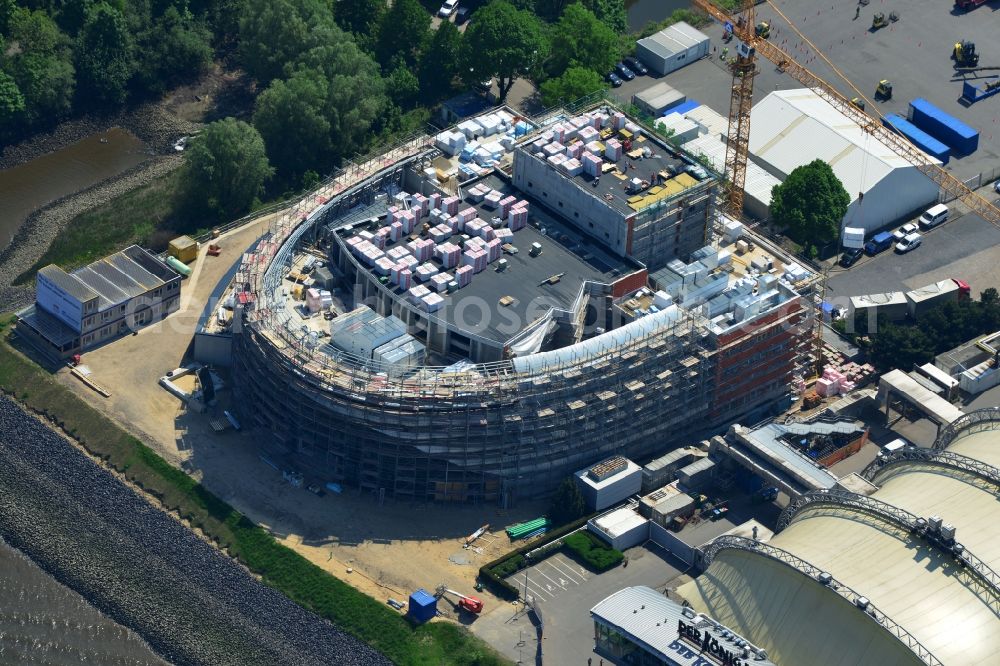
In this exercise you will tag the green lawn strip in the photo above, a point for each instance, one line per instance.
(144, 215)
(280, 567)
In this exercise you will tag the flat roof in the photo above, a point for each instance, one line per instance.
(936, 407)
(662, 163)
(113, 279)
(630, 469)
(48, 326)
(564, 251)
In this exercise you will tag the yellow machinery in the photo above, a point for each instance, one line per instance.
(879, 21)
(883, 91)
(856, 101)
(763, 29)
(964, 54)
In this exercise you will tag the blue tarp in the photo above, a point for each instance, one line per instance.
(684, 107)
(917, 137)
(944, 127)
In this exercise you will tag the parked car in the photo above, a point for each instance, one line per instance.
(933, 216)
(640, 69)
(911, 242)
(614, 79)
(850, 257)
(624, 72)
(448, 8)
(462, 15)
(878, 243)
(996, 187)
(904, 231)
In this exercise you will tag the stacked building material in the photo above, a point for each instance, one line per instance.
(440, 233)
(505, 205)
(463, 275)
(475, 258)
(554, 148)
(493, 250)
(405, 278)
(556, 160)
(613, 149)
(435, 200)
(397, 252)
(408, 220)
(619, 120)
(466, 215)
(477, 192)
(425, 272)
(440, 282)
(588, 134)
(420, 205)
(450, 205)
(595, 147)
(384, 265)
(558, 132)
(408, 260)
(575, 149)
(417, 293)
(421, 248)
(517, 218)
(448, 254)
(572, 167)
(591, 164)
(492, 200)
(381, 237)
(431, 302)
(395, 271)
(392, 214)
(504, 235)
(473, 227)
(395, 231)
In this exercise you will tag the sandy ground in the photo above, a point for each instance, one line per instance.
(391, 549)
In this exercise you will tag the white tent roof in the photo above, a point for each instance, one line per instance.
(759, 183)
(790, 128)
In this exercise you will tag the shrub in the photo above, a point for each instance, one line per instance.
(593, 552)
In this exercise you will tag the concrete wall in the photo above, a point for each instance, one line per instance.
(665, 538)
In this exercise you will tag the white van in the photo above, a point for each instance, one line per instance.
(934, 216)
(893, 446)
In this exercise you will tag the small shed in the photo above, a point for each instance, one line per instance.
(183, 248)
(423, 606)
(672, 48)
(658, 98)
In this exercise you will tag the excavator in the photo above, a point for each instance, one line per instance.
(964, 54)
(465, 602)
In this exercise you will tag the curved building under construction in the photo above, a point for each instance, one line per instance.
(474, 330)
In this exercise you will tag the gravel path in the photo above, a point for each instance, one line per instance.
(144, 569)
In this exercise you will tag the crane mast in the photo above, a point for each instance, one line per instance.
(751, 46)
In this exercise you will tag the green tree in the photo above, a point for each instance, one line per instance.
(403, 33)
(225, 168)
(38, 58)
(360, 17)
(291, 118)
(104, 57)
(611, 13)
(274, 34)
(900, 347)
(440, 61)
(579, 39)
(356, 94)
(575, 82)
(11, 106)
(503, 42)
(176, 48)
(567, 503)
(810, 204)
(403, 86)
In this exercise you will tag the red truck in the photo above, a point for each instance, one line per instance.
(966, 5)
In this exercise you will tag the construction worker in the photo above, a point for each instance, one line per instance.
(857, 12)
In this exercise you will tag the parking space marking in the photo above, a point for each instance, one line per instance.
(560, 575)
(556, 561)
(549, 578)
(535, 587)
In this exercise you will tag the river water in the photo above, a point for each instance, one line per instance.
(43, 622)
(641, 12)
(88, 161)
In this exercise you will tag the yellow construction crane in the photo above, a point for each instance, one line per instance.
(750, 46)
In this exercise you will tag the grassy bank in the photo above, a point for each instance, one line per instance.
(280, 567)
(147, 215)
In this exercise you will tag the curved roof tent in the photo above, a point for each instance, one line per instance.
(945, 613)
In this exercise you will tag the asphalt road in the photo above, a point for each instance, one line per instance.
(962, 248)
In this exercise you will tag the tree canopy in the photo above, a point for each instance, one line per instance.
(575, 82)
(403, 33)
(504, 42)
(104, 61)
(567, 503)
(274, 34)
(440, 63)
(225, 168)
(291, 118)
(810, 204)
(579, 39)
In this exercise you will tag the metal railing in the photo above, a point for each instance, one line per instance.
(988, 587)
(971, 422)
(856, 599)
(930, 456)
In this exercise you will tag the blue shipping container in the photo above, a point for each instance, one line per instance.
(917, 137)
(944, 127)
(423, 606)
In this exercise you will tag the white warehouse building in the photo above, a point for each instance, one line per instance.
(790, 128)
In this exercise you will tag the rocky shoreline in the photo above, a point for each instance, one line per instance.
(152, 124)
(144, 569)
(41, 227)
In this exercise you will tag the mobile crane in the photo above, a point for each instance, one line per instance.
(465, 602)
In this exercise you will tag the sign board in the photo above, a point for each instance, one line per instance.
(853, 238)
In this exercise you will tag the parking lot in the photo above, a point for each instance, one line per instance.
(565, 593)
(963, 248)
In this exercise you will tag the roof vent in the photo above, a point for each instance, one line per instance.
(824, 578)
(935, 523)
(862, 602)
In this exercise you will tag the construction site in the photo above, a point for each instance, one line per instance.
(456, 339)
